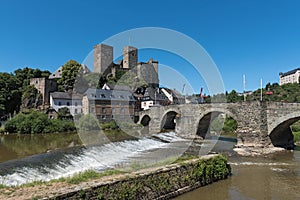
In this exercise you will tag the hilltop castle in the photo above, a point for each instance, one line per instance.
(103, 63)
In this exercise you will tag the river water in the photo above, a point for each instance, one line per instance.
(30, 158)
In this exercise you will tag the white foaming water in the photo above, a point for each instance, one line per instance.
(95, 157)
(169, 137)
(278, 169)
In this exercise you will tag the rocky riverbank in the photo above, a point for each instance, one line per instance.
(257, 151)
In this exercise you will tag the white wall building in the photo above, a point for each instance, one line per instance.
(289, 77)
(64, 99)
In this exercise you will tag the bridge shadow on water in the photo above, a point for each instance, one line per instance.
(225, 138)
(297, 148)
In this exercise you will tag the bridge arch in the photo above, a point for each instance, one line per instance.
(280, 131)
(168, 119)
(205, 119)
(145, 120)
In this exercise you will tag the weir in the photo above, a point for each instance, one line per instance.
(64, 163)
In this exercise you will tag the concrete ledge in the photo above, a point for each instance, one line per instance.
(156, 183)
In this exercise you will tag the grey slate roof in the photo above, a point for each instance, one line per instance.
(65, 95)
(154, 93)
(56, 74)
(109, 95)
(116, 87)
(289, 72)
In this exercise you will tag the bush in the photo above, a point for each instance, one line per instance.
(37, 122)
(295, 128)
(296, 137)
(229, 125)
(109, 125)
(2, 131)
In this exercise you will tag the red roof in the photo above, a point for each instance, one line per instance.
(269, 92)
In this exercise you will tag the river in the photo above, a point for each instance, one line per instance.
(44, 157)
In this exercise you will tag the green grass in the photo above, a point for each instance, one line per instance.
(87, 175)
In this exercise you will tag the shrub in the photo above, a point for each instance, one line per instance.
(37, 122)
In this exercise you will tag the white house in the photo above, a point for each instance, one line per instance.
(290, 76)
(65, 99)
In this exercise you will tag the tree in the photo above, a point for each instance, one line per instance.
(10, 96)
(233, 97)
(64, 113)
(30, 97)
(69, 74)
(24, 75)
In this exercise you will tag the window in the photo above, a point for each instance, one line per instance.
(76, 104)
(68, 103)
(103, 110)
(103, 117)
(75, 111)
(102, 96)
(59, 103)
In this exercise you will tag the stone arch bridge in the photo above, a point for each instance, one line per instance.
(259, 123)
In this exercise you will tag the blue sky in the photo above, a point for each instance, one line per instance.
(256, 38)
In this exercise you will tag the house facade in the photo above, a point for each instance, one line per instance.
(108, 105)
(148, 97)
(65, 99)
(289, 77)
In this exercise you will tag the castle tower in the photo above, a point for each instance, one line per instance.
(103, 57)
(130, 57)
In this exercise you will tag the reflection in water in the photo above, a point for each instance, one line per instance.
(19, 146)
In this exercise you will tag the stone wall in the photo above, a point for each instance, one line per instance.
(260, 124)
(162, 183)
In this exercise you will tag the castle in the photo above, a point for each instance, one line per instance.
(103, 63)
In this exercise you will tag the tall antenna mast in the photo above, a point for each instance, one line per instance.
(183, 88)
(244, 82)
(261, 88)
